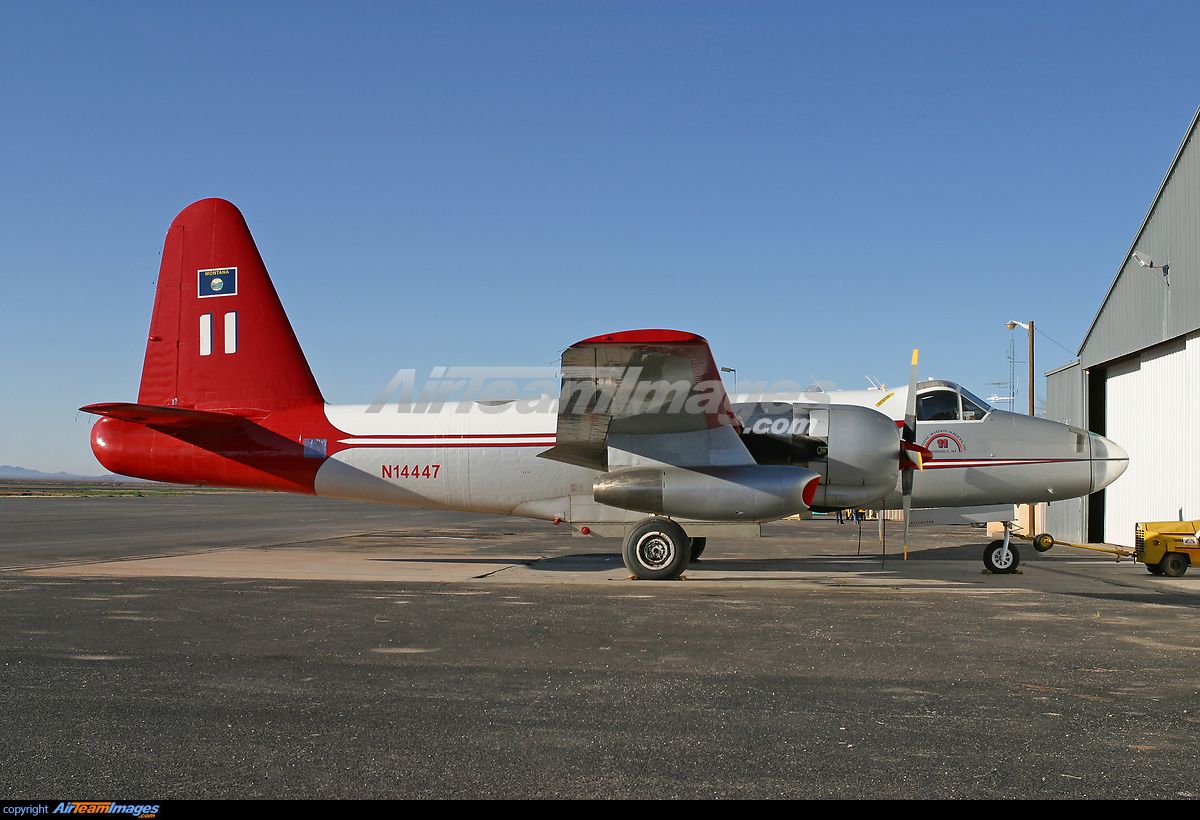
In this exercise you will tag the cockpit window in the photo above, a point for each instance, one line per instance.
(970, 410)
(938, 405)
(943, 404)
(967, 395)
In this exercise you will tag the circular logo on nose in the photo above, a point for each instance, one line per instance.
(944, 441)
(216, 284)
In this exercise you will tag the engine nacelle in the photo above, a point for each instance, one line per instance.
(733, 493)
(855, 450)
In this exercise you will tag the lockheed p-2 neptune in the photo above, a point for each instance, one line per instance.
(642, 442)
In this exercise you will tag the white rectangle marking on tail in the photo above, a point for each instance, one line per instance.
(205, 334)
(231, 332)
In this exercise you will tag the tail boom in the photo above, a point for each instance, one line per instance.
(283, 457)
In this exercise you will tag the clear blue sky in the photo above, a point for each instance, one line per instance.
(815, 187)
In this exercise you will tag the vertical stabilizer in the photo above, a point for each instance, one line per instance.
(219, 338)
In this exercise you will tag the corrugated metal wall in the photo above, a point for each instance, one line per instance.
(1141, 309)
(1067, 520)
(1064, 395)
(1152, 412)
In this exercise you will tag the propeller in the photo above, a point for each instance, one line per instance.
(912, 455)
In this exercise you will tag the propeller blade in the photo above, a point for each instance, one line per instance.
(910, 406)
(909, 449)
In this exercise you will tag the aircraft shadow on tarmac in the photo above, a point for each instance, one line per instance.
(593, 562)
(428, 560)
(606, 562)
(843, 558)
(1172, 597)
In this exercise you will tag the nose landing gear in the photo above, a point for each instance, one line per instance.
(1001, 557)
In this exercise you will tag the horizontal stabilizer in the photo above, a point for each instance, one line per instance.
(166, 418)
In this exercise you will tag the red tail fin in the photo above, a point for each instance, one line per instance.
(219, 338)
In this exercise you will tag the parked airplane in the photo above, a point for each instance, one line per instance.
(642, 442)
(978, 455)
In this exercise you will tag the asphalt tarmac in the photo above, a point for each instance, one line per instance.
(268, 646)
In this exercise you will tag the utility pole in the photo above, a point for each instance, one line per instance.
(1031, 371)
(1028, 520)
(1032, 393)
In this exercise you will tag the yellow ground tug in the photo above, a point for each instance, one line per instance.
(1168, 547)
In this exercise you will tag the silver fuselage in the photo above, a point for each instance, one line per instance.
(474, 458)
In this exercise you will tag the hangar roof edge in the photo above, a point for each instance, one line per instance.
(1187, 138)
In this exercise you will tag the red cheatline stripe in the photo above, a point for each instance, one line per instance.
(453, 445)
(458, 435)
(941, 463)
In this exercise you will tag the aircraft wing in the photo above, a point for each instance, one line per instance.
(644, 398)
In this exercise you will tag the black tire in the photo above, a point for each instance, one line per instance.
(698, 545)
(1043, 542)
(1174, 564)
(991, 558)
(1155, 569)
(657, 550)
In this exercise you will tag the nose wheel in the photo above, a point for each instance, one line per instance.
(1001, 557)
(1001, 560)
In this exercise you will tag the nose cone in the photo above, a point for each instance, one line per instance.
(1109, 460)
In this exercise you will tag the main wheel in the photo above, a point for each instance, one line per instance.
(1174, 564)
(995, 561)
(698, 545)
(657, 550)
(1043, 542)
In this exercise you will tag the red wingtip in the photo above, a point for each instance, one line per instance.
(645, 337)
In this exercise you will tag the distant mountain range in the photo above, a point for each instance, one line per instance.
(36, 475)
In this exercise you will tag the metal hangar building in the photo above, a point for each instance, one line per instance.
(1137, 379)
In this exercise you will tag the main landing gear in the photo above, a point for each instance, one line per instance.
(659, 550)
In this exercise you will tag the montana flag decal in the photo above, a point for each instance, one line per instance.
(218, 282)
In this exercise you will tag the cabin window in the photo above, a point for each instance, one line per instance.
(938, 405)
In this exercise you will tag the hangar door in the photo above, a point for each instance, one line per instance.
(1152, 409)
